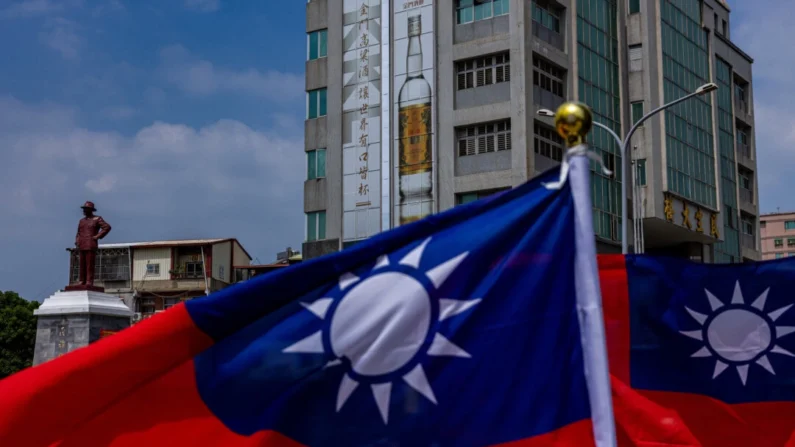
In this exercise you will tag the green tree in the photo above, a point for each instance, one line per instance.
(17, 332)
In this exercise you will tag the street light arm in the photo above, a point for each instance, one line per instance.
(610, 131)
(656, 111)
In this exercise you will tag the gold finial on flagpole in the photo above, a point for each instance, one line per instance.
(573, 120)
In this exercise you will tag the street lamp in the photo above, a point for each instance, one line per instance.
(623, 145)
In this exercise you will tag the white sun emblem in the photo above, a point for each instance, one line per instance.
(738, 334)
(382, 326)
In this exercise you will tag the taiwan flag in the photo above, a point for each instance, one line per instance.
(701, 354)
(461, 329)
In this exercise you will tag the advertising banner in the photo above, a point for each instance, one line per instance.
(414, 110)
(361, 119)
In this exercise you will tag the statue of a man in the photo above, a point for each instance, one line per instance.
(90, 230)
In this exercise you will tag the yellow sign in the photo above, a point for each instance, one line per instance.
(713, 225)
(699, 215)
(669, 210)
(686, 216)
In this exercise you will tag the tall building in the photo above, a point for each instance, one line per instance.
(777, 234)
(415, 106)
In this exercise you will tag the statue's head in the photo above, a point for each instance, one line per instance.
(88, 208)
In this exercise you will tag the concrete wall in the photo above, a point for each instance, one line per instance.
(56, 335)
(143, 256)
(222, 261)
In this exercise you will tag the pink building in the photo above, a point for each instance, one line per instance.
(777, 235)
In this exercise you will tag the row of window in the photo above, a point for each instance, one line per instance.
(779, 242)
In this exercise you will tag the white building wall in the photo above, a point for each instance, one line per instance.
(143, 256)
(222, 261)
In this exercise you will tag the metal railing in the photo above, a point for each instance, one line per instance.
(744, 150)
(748, 241)
(746, 195)
(547, 35)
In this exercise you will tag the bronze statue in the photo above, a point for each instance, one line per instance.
(90, 230)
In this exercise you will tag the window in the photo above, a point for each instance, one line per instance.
(461, 199)
(194, 269)
(316, 43)
(634, 6)
(789, 225)
(153, 269)
(316, 164)
(482, 71)
(715, 18)
(468, 11)
(316, 103)
(147, 306)
(778, 242)
(170, 302)
(745, 180)
(635, 58)
(547, 142)
(779, 255)
(637, 111)
(315, 226)
(748, 227)
(547, 23)
(790, 242)
(724, 27)
(548, 81)
(484, 138)
(641, 172)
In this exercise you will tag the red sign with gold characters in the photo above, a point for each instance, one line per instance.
(105, 332)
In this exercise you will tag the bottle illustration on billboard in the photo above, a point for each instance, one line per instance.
(415, 142)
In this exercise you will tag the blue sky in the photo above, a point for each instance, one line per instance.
(184, 118)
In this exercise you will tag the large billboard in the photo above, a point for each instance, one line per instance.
(413, 111)
(361, 119)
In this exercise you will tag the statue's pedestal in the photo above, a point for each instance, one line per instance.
(72, 319)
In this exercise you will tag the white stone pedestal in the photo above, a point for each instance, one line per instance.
(72, 319)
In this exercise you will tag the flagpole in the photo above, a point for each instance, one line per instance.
(573, 122)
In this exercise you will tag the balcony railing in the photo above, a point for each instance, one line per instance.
(746, 195)
(744, 150)
(187, 275)
(748, 241)
(546, 99)
(547, 35)
(741, 105)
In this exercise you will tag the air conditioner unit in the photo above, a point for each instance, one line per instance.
(136, 317)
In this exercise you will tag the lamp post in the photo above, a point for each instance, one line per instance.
(623, 145)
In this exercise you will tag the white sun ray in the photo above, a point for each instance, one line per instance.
(765, 363)
(779, 350)
(440, 273)
(742, 370)
(319, 307)
(440, 346)
(714, 302)
(777, 313)
(382, 261)
(719, 368)
(416, 379)
(784, 330)
(309, 345)
(759, 302)
(737, 298)
(413, 258)
(703, 352)
(381, 392)
(449, 308)
(698, 335)
(701, 318)
(347, 280)
(346, 389)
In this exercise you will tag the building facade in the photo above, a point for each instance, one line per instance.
(153, 276)
(777, 234)
(416, 106)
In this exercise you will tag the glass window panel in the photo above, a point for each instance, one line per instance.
(311, 227)
(321, 225)
(311, 163)
(322, 102)
(321, 163)
(322, 52)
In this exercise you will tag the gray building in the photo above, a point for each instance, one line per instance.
(376, 161)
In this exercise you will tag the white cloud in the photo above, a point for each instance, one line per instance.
(203, 5)
(164, 166)
(200, 77)
(61, 35)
